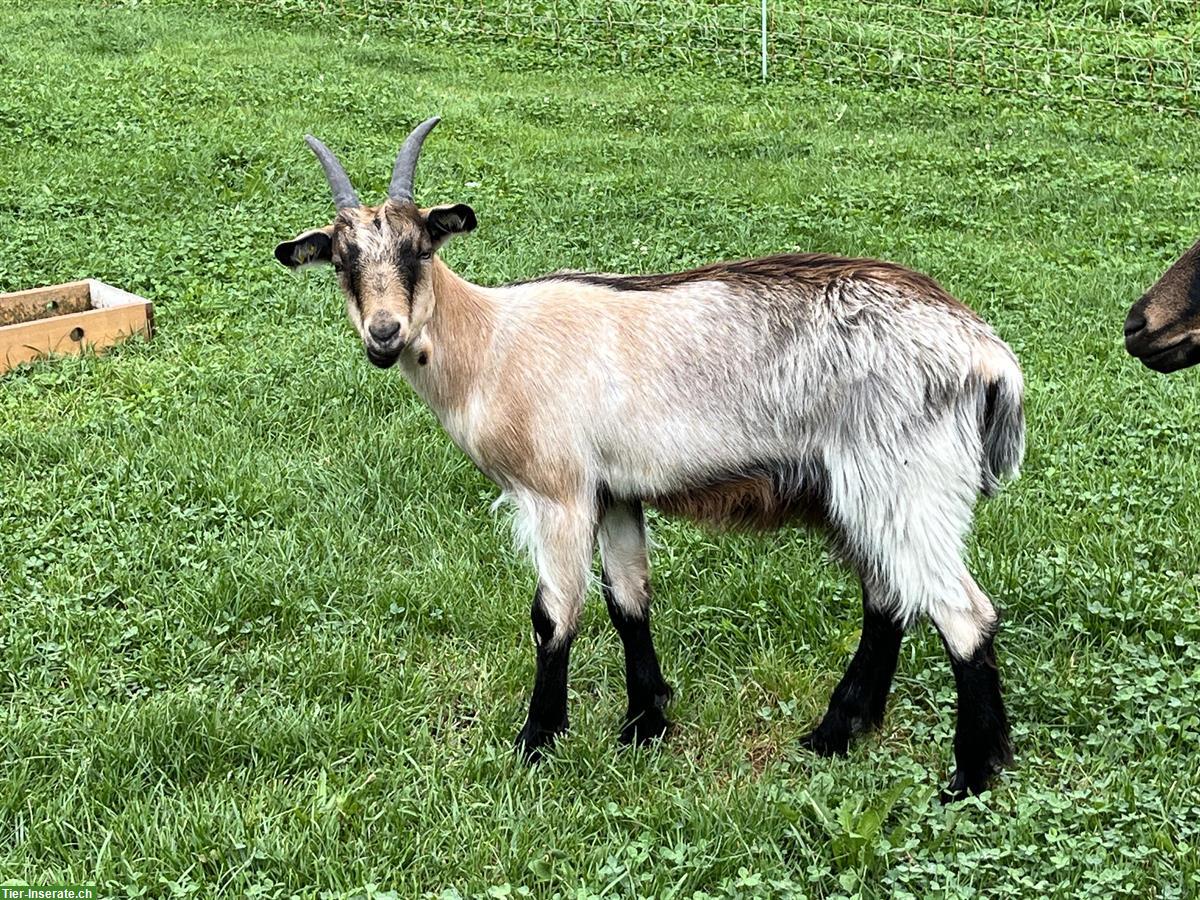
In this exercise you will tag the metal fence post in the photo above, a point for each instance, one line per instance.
(764, 40)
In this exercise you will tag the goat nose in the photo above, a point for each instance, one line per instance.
(1135, 323)
(384, 330)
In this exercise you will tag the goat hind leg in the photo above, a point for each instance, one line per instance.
(859, 700)
(982, 742)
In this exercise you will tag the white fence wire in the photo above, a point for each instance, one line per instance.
(1136, 52)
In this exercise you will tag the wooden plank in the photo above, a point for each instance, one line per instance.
(44, 302)
(97, 329)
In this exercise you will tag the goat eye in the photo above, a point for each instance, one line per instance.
(427, 256)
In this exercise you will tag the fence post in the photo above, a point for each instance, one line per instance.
(764, 40)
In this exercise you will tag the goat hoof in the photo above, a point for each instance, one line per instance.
(964, 784)
(827, 742)
(534, 741)
(644, 727)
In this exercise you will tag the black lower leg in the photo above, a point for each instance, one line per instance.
(981, 738)
(648, 692)
(548, 705)
(860, 698)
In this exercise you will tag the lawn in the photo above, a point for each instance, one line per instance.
(260, 634)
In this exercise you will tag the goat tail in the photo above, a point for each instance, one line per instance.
(1002, 424)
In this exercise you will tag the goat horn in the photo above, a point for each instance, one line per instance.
(339, 182)
(401, 187)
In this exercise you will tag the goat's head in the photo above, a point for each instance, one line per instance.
(1163, 328)
(382, 254)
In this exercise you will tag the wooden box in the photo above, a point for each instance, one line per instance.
(65, 318)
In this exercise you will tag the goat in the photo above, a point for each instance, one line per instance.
(852, 394)
(1163, 327)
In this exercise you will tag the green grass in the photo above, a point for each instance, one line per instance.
(1137, 52)
(261, 636)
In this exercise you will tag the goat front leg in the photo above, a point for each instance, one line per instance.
(626, 584)
(563, 538)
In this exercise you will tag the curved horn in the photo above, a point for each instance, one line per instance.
(401, 187)
(339, 182)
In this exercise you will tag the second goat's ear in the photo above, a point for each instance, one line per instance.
(444, 222)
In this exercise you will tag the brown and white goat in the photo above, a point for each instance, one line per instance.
(850, 393)
(1163, 327)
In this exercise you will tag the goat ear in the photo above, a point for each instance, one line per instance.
(444, 222)
(313, 248)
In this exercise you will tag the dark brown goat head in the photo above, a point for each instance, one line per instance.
(1163, 327)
